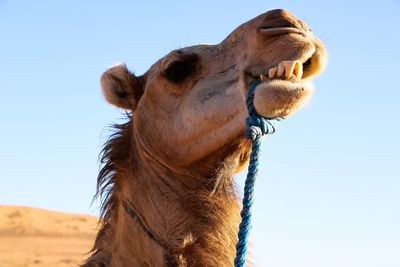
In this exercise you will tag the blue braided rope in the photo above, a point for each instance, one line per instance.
(257, 127)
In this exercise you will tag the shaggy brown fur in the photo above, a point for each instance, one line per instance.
(210, 207)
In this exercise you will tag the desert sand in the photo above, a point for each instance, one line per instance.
(41, 238)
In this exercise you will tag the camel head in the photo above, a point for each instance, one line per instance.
(190, 105)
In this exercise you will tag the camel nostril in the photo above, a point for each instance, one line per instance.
(271, 31)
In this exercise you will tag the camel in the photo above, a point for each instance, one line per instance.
(169, 198)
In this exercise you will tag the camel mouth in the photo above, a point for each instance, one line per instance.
(294, 72)
(288, 71)
(283, 88)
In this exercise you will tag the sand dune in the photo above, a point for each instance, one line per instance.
(41, 238)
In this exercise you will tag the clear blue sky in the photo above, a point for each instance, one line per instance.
(328, 193)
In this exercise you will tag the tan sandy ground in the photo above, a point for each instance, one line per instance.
(41, 238)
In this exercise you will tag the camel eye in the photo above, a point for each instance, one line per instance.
(177, 71)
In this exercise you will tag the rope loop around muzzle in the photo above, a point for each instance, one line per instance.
(257, 127)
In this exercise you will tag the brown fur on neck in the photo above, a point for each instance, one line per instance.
(201, 225)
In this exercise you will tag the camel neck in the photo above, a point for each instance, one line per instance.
(198, 226)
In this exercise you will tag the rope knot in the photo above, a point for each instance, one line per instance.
(258, 126)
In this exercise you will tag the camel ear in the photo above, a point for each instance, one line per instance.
(121, 87)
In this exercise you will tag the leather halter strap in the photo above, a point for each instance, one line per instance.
(169, 259)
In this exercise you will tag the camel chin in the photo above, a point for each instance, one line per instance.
(280, 98)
